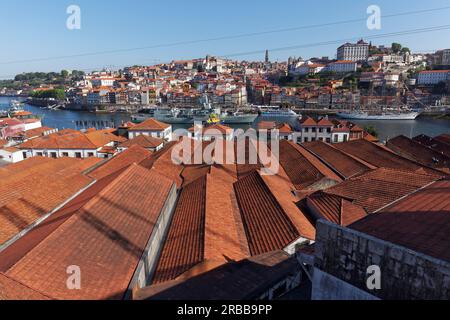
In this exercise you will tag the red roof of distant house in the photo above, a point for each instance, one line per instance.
(284, 128)
(420, 222)
(308, 121)
(214, 127)
(324, 122)
(150, 125)
(33, 133)
(144, 141)
(266, 125)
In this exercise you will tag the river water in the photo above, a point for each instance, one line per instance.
(63, 119)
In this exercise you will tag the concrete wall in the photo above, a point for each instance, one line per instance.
(147, 265)
(346, 254)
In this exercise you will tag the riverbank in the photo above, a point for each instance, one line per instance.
(63, 119)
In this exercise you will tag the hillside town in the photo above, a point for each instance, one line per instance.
(361, 75)
(138, 215)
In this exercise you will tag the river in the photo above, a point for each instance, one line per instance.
(63, 119)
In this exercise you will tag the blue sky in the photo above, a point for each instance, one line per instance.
(32, 29)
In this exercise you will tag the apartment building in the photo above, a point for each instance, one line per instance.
(354, 51)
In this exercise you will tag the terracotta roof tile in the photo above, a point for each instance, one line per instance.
(381, 157)
(105, 238)
(415, 151)
(434, 144)
(150, 125)
(61, 140)
(135, 154)
(28, 192)
(184, 245)
(303, 168)
(13, 290)
(101, 138)
(420, 222)
(380, 187)
(224, 233)
(334, 208)
(267, 226)
(144, 141)
(340, 162)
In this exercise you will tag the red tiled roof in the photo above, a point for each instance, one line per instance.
(420, 222)
(266, 125)
(105, 238)
(224, 233)
(415, 151)
(302, 168)
(37, 132)
(380, 187)
(101, 138)
(325, 123)
(144, 141)
(150, 125)
(134, 154)
(13, 290)
(184, 246)
(35, 187)
(381, 157)
(209, 129)
(434, 144)
(343, 164)
(64, 139)
(267, 226)
(308, 121)
(284, 128)
(334, 208)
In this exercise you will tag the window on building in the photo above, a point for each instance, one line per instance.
(39, 154)
(24, 155)
(328, 140)
(77, 154)
(90, 154)
(336, 138)
(313, 139)
(345, 138)
(54, 155)
(65, 154)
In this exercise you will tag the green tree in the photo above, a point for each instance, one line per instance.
(371, 130)
(64, 74)
(396, 47)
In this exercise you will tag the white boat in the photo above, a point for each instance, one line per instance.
(238, 117)
(273, 111)
(364, 115)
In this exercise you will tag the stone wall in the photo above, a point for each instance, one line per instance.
(405, 274)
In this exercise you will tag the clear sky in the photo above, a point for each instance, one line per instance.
(34, 29)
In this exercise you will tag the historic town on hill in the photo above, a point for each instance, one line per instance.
(121, 212)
